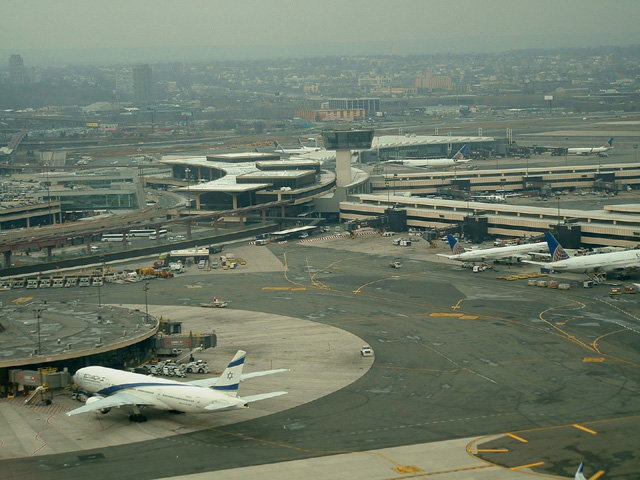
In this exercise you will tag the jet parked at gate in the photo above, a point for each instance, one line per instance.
(117, 388)
(457, 159)
(512, 253)
(588, 264)
(301, 149)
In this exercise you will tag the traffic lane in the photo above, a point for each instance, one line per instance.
(559, 449)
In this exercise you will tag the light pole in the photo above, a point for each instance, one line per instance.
(146, 303)
(187, 171)
(100, 282)
(38, 312)
(46, 170)
(635, 152)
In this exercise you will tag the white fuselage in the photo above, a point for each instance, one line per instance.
(428, 162)
(586, 151)
(598, 262)
(499, 252)
(161, 393)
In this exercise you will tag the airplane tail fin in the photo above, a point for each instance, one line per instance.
(555, 249)
(580, 472)
(456, 248)
(230, 378)
(461, 153)
(609, 143)
(300, 143)
(256, 150)
(277, 145)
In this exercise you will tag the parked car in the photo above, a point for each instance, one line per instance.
(366, 351)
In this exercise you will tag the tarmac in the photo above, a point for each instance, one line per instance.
(462, 361)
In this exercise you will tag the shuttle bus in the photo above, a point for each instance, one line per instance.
(114, 237)
(141, 232)
(162, 233)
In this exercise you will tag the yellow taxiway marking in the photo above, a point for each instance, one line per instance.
(598, 474)
(520, 439)
(457, 305)
(593, 359)
(276, 288)
(537, 464)
(22, 299)
(468, 317)
(445, 314)
(194, 286)
(300, 289)
(497, 450)
(407, 469)
(588, 430)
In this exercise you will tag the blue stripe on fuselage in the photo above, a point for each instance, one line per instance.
(226, 387)
(124, 386)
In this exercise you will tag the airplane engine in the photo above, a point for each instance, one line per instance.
(95, 398)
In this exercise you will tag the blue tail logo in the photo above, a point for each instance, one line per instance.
(456, 248)
(555, 249)
(461, 153)
(609, 144)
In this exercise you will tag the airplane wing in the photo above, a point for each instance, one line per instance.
(119, 399)
(210, 382)
(263, 396)
(542, 264)
(252, 398)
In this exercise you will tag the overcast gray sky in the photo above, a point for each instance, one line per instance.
(410, 26)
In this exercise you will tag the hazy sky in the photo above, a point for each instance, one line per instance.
(298, 27)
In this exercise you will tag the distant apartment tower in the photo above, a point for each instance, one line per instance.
(370, 105)
(142, 84)
(433, 82)
(16, 70)
(327, 115)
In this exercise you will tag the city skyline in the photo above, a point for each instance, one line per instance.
(67, 32)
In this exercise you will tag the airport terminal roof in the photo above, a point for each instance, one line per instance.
(387, 141)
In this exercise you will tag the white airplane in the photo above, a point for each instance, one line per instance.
(596, 263)
(301, 149)
(458, 158)
(490, 198)
(513, 253)
(589, 151)
(118, 388)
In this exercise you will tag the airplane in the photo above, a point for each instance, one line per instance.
(458, 158)
(588, 264)
(589, 151)
(117, 388)
(580, 472)
(516, 252)
(490, 198)
(300, 150)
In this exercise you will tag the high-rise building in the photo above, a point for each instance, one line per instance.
(142, 84)
(16, 70)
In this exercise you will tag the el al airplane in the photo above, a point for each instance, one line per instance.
(432, 162)
(300, 150)
(516, 252)
(589, 151)
(118, 388)
(596, 263)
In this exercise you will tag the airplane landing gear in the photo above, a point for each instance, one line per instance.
(138, 418)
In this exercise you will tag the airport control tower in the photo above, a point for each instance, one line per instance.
(343, 140)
